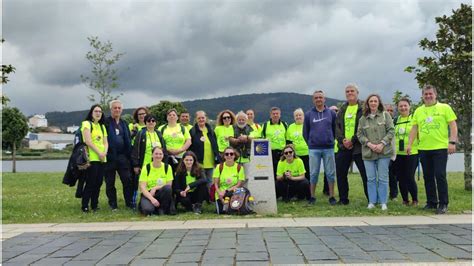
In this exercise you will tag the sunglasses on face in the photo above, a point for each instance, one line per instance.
(226, 117)
(142, 114)
(151, 121)
(288, 152)
(229, 154)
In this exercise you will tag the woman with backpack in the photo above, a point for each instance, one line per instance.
(94, 135)
(228, 176)
(176, 137)
(224, 129)
(155, 184)
(190, 183)
(290, 179)
(145, 140)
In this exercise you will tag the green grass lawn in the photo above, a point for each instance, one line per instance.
(42, 198)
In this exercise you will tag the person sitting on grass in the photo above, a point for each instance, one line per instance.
(228, 176)
(291, 180)
(190, 183)
(155, 184)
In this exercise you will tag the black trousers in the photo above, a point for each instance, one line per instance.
(219, 205)
(163, 196)
(289, 189)
(122, 166)
(305, 159)
(405, 167)
(93, 181)
(434, 172)
(199, 195)
(392, 180)
(343, 163)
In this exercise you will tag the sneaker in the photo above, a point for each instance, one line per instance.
(161, 211)
(332, 201)
(113, 207)
(406, 202)
(95, 209)
(384, 207)
(429, 207)
(197, 208)
(370, 206)
(343, 202)
(85, 210)
(172, 209)
(312, 201)
(442, 209)
(414, 203)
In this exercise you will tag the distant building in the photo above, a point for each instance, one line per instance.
(38, 121)
(72, 129)
(46, 141)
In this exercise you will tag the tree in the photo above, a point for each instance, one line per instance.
(159, 110)
(6, 70)
(14, 129)
(449, 69)
(104, 77)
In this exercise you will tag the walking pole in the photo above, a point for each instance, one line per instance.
(419, 166)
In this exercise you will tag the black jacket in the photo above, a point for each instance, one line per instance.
(197, 146)
(111, 138)
(340, 128)
(139, 147)
(242, 148)
(179, 183)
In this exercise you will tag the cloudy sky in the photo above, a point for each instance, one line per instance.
(184, 50)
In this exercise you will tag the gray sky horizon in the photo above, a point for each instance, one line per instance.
(185, 50)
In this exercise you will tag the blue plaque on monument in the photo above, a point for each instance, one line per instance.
(260, 147)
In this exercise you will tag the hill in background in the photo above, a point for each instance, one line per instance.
(260, 103)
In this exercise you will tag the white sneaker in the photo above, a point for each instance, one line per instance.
(384, 207)
(370, 206)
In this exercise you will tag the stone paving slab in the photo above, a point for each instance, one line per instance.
(437, 243)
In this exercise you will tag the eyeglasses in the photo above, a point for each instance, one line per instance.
(229, 154)
(142, 114)
(226, 117)
(151, 121)
(288, 152)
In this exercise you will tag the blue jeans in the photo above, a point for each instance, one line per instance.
(315, 156)
(377, 190)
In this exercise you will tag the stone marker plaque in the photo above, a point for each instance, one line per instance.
(261, 182)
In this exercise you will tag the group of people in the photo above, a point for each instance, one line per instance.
(180, 163)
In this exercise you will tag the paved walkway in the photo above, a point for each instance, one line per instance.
(444, 239)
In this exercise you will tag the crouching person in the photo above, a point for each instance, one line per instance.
(190, 184)
(291, 181)
(228, 176)
(155, 184)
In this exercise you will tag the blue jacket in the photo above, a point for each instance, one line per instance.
(319, 128)
(112, 153)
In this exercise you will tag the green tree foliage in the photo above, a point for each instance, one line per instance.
(449, 69)
(127, 118)
(6, 70)
(159, 110)
(103, 78)
(14, 129)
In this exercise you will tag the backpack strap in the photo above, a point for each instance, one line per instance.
(221, 167)
(264, 130)
(148, 167)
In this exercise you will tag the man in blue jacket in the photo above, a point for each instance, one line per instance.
(319, 130)
(118, 156)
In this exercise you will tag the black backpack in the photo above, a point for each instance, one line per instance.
(80, 156)
(240, 203)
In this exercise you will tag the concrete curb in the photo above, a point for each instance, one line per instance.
(11, 230)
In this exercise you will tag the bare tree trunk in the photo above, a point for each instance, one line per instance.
(467, 171)
(466, 145)
(14, 158)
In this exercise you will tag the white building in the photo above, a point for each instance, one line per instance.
(38, 121)
(72, 129)
(46, 141)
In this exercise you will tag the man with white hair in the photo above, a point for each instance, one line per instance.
(242, 140)
(118, 156)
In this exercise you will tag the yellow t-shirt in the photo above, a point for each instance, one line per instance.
(402, 132)
(432, 125)
(294, 133)
(256, 133)
(174, 137)
(190, 179)
(97, 138)
(208, 161)
(296, 167)
(152, 140)
(350, 121)
(230, 176)
(221, 133)
(156, 177)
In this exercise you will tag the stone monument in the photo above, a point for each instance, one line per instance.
(261, 182)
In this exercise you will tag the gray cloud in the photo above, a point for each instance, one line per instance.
(183, 50)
